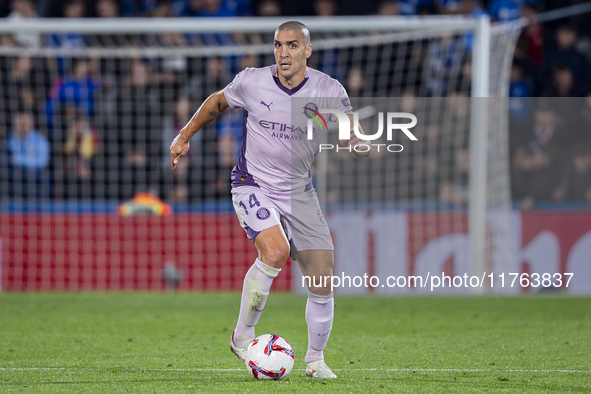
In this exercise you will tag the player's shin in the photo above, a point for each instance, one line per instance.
(255, 290)
(319, 316)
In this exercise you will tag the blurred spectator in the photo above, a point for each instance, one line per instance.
(71, 9)
(248, 61)
(172, 124)
(548, 132)
(130, 8)
(448, 7)
(458, 105)
(409, 7)
(443, 56)
(520, 93)
(6, 40)
(216, 8)
(21, 10)
(393, 7)
(111, 9)
(25, 82)
(148, 8)
(537, 166)
(565, 55)
(229, 138)
(269, 8)
(327, 60)
(107, 9)
(138, 130)
(529, 170)
(79, 149)
(525, 56)
(505, 10)
(575, 185)
(520, 82)
(533, 37)
(206, 169)
(243, 7)
(28, 147)
(562, 83)
(355, 83)
(210, 8)
(29, 158)
(214, 77)
(59, 8)
(409, 102)
(162, 8)
(75, 93)
(165, 9)
(325, 8)
(474, 9)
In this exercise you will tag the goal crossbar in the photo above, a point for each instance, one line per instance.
(234, 25)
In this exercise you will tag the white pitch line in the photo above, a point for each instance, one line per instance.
(480, 370)
(341, 370)
(114, 369)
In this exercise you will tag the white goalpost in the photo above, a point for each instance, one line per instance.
(107, 109)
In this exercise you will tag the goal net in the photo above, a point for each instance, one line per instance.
(88, 200)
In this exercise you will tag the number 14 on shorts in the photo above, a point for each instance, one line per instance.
(252, 202)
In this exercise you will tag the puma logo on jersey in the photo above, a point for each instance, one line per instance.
(267, 105)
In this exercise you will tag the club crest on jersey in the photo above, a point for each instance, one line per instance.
(263, 213)
(311, 111)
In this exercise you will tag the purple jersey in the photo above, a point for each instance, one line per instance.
(276, 154)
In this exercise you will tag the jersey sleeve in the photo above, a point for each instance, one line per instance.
(234, 91)
(340, 100)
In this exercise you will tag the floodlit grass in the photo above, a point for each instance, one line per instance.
(163, 342)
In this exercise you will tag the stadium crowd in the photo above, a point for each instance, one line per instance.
(75, 128)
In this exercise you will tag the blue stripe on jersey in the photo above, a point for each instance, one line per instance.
(240, 175)
(242, 158)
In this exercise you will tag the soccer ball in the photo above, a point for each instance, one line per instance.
(269, 357)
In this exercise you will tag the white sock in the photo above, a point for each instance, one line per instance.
(319, 316)
(255, 290)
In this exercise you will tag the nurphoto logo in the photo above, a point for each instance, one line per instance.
(392, 119)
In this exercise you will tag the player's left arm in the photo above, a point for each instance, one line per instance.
(363, 147)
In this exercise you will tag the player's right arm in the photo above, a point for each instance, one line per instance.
(211, 108)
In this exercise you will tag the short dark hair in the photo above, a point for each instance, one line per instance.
(296, 26)
(567, 27)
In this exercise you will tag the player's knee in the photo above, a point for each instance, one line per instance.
(323, 289)
(275, 256)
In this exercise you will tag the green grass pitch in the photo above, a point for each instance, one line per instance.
(138, 342)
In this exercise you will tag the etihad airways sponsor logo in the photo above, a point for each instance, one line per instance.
(281, 127)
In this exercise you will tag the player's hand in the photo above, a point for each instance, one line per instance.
(178, 149)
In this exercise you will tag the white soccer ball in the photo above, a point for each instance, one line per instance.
(269, 357)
